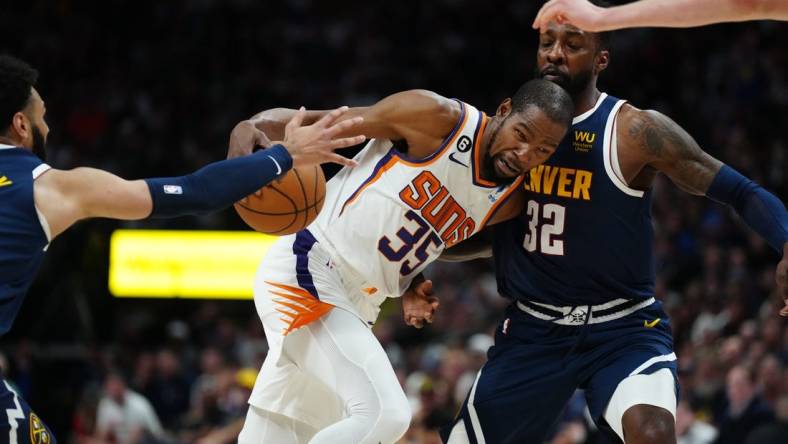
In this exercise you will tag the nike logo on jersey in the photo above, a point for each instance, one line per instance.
(454, 159)
(464, 144)
(278, 168)
(4, 181)
(651, 324)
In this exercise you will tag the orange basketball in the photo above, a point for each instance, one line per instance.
(286, 205)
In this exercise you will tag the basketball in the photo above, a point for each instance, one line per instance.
(286, 205)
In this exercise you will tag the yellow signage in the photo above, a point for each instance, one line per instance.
(185, 264)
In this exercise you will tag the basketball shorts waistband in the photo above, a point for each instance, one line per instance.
(584, 314)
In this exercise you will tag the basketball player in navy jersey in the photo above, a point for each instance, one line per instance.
(578, 266)
(37, 202)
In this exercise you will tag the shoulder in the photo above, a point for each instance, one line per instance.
(423, 118)
(648, 132)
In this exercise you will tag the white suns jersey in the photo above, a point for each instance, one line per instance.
(391, 216)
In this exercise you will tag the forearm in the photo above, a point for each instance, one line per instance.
(217, 185)
(761, 210)
(475, 247)
(687, 13)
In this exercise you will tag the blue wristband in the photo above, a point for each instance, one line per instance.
(760, 209)
(217, 185)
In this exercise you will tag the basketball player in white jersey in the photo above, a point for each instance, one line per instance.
(326, 378)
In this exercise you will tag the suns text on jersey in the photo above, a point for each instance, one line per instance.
(432, 200)
(563, 182)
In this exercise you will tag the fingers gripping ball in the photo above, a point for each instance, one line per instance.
(286, 205)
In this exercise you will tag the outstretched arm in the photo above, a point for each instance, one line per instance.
(665, 146)
(420, 117)
(64, 197)
(658, 13)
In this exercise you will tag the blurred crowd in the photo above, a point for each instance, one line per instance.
(154, 89)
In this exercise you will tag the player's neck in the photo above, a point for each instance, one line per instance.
(4, 140)
(586, 99)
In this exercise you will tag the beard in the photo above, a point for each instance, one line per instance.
(573, 85)
(39, 144)
(488, 165)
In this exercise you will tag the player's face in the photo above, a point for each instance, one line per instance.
(39, 130)
(569, 57)
(523, 141)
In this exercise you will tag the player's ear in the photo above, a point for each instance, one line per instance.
(602, 60)
(20, 126)
(504, 108)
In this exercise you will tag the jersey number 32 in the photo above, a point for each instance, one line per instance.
(544, 227)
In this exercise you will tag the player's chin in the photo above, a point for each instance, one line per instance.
(503, 175)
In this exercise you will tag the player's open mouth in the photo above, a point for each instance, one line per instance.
(506, 168)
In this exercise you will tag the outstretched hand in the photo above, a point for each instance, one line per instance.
(315, 144)
(580, 13)
(308, 145)
(244, 138)
(419, 304)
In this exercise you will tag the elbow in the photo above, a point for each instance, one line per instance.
(270, 115)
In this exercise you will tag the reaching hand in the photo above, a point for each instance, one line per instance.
(315, 144)
(419, 304)
(782, 280)
(244, 138)
(580, 13)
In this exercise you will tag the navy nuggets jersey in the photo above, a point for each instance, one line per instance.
(24, 234)
(584, 236)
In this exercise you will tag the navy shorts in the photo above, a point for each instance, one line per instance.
(18, 423)
(536, 365)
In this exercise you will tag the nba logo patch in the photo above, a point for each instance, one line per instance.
(173, 189)
(505, 328)
(38, 432)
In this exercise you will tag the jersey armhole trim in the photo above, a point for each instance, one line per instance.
(610, 154)
(465, 110)
(37, 172)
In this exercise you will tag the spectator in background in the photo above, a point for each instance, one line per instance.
(746, 409)
(689, 430)
(169, 392)
(770, 382)
(774, 432)
(124, 416)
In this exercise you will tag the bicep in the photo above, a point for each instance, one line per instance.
(86, 192)
(668, 148)
(478, 246)
(511, 208)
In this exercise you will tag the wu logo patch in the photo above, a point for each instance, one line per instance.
(4, 181)
(584, 141)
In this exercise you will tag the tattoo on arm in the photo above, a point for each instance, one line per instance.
(671, 150)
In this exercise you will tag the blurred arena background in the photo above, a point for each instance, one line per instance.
(154, 88)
